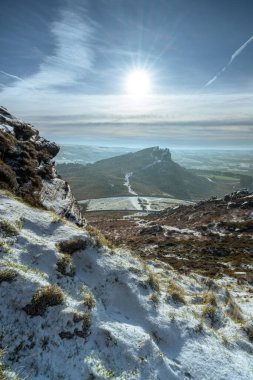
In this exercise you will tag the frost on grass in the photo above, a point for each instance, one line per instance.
(44, 297)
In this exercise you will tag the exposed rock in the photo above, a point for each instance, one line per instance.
(27, 169)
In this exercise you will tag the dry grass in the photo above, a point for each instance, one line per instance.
(71, 246)
(233, 310)
(210, 299)
(210, 309)
(154, 298)
(101, 240)
(176, 292)
(8, 229)
(153, 282)
(7, 275)
(44, 297)
(89, 300)
(86, 325)
(65, 266)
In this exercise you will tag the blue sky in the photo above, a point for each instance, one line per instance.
(63, 65)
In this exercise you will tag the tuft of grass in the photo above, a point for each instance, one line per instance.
(71, 246)
(65, 266)
(100, 239)
(233, 310)
(210, 299)
(154, 298)
(153, 282)
(210, 309)
(19, 223)
(50, 295)
(7, 275)
(86, 323)
(8, 229)
(176, 292)
(89, 300)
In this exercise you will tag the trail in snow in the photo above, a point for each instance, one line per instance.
(127, 183)
(140, 202)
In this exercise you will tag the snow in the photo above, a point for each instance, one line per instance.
(7, 128)
(131, 337)
(132, 203)
(127, 183)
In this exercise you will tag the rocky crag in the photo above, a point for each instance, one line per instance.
(27, 168)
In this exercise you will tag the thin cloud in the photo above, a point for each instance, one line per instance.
(11, 75)
(233, 56)
(72, 58)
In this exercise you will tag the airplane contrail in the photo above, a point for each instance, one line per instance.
(11, 75)
(233, 56)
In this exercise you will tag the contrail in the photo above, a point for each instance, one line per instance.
(10, 75)
(233, 56)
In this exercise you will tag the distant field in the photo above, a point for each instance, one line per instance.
(131, 204)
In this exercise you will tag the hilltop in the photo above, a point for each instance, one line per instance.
(149, 172)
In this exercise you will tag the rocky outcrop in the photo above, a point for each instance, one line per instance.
(27, 168)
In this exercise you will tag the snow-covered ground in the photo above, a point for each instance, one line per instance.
(137, 203)
(136, 329)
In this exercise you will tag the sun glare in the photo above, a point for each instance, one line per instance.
(138, 83)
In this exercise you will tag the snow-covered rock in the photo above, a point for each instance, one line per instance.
(27, 169)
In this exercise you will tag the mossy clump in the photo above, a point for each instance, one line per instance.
(50, 295)
(71, 246)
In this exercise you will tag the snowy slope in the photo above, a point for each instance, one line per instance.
(133, 328)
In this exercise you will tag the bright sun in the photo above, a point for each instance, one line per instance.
(138, 83)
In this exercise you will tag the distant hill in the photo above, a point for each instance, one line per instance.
(150, 172)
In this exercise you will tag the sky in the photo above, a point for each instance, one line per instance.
(65, 64)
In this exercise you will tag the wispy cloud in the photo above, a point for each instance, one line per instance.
(233, 56)
(11, 75)
(71, 60)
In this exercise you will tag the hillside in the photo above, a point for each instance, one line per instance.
(150, 172)
(77, 305)
(71, 309)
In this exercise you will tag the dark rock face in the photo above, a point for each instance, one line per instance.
(27, 169)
